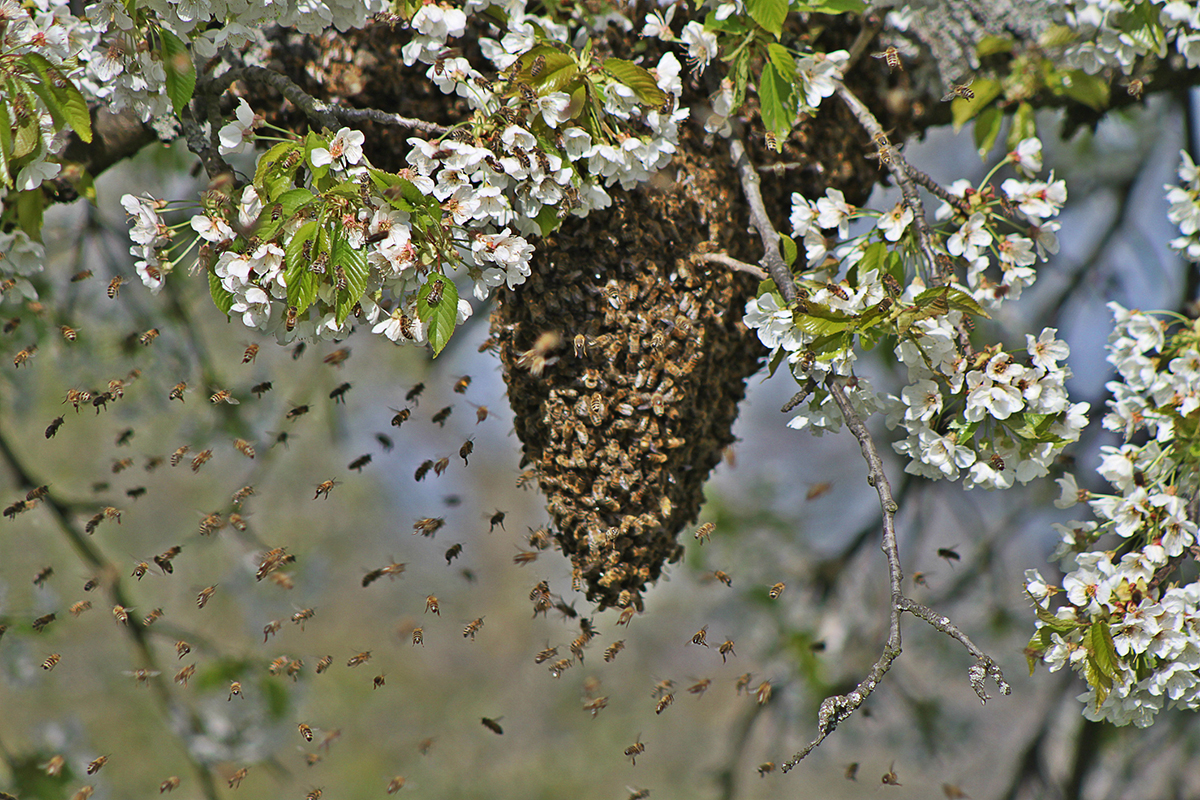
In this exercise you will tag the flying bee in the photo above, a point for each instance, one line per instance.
(23, 356)
(223, 396)
(182, 648)
(82, 275)
(401, 416)
(359, 659)
(296, 411)
(726, 649)
(154, 616)
(259, 389)
(169, 784)
(536, 358)
(962, 90)
(114, 287)
(524, 557)
(315, 794)
(53, 427)
(663, 702)
(626, 616)
(776, 590)
(705, 532)
(418, 636)
(763, 693)
(142, 676)
(271, 628)
(467, 448)
(360, 462)
(305, 731)
(80, 607)
(41, 622)
(178, 455)
(204, 596)
(338, 395)
(302, 616)
(69, 333)
(324, 664)
(440, 417)
(242, 493)
(611, 651)
(636, 749)
(324, 488)
(236, 779)
(431, 604)
(723, 577)
(595, 705)
(184, 675)
(428, 526)
(250, 353)
(96, 764)
(122, 465)
(237, 521)
(244, 447)
(140, 570)
(177, 392)
(454, 552)
(892, 56)
(42, 577)
(545, 655)
(290, 319)
(200, 460)
(699, 638)
(396, 784)
(472, 628)
(149, 336)
(51, 661)
(949, 554)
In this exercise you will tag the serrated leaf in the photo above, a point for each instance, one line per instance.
(769, 14)
(961, 110)
(874, 255)
(269, 162)
(774, 92)
(399, 192)
(28, 138)
(179, 68)
(741, 77)
(441, 318)
(819, 326)
(1091, 90)
(638, 79)
(733, 24)
(559, 70)
(1103, 649)
(353, 264)
(221, 297)
(790, 251)
(1055, 624)
(1056, 36)
(1034, 650)
(781, 59)
(992, 45)
(987, 128)
(776, 360)
(301, 282)
(961, 301)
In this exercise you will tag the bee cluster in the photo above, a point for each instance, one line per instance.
(625, 359)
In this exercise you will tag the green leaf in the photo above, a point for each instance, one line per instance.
(269, 162)
(961, 301)
(961, 111)
(636, 78)
(781, 59)
(301, 282)
(741, 76)
(1103, 650)
(987, 128)
(6, 143)
(1055, 624)
(75, 109)
(179, 68)
(1091, 90)
(399, 192)
(733, 24)
(821, 325)
(874, 255)
(547, 220)
(353, 264)
(29, 212)
(835, 7)
(220, 296)
(774, 92)
(1056, 36)
(442, 317)
(315, 141)
(558, 70)
(1034, 650)
(790, 251)
(769, 14)
(776, 360)
(992, 45)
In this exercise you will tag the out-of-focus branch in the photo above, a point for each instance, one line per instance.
(174, 712)
(115, 137)
(734, 264)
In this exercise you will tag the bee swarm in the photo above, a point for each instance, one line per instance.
(627, 410)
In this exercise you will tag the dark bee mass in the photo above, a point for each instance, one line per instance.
(623, 432)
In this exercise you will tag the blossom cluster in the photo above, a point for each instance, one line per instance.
(1185, 208)
(1114, 34)
(1134, 636)
(993, 417)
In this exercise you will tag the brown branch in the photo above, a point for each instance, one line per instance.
(115, 137)
(734, 264)
(759, 218)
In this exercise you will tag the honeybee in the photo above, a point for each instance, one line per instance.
(492, 725)
(41, 622)
(663, 702)
(611, 651)
(949, 554)
(892, 56)
(435, 292)
(223, 396)
(481, 413)
(96, 764)
(460, 385)
(142, 676)
(302, 616)
(69, 333)
(642, 794)
(441, 465)
(24, 355)
(537, 66)
(766, 767)
(149, 336)
(626, 616)
(431, 604)
(636, 749)
(140, 570)
(51, 661)
(114, 287)
(236, 780)
(271, 628)
(524, 557)
(182, 648)
(423, 469)
(315, 794)
(395, 784)
(84, 792)
(440, 417)
(259, 389)
(726, 649)
(418, 636)
(962, 90)
(704, 532)
(42, 576)
(379, 680)
(244, 447)
(80, 607)
(235, 689)
(723, 577)
(428, 526)
(763, 693)
(184, 675)
(305, 731)
(699, 638)
(361, 658)
(82, 275)
(324, 663)
(121, 465)
(472, 628)
(200, 460)
(169, 784)
(203, 597)
(595, 705)
(324, 488)
(454, 552)
(536, 358)
(290, 319)
(53, 427)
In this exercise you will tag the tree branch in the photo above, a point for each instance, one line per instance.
(739, 266)
(759, 218)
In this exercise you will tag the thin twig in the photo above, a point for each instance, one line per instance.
(731, 262)
(759, 218)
